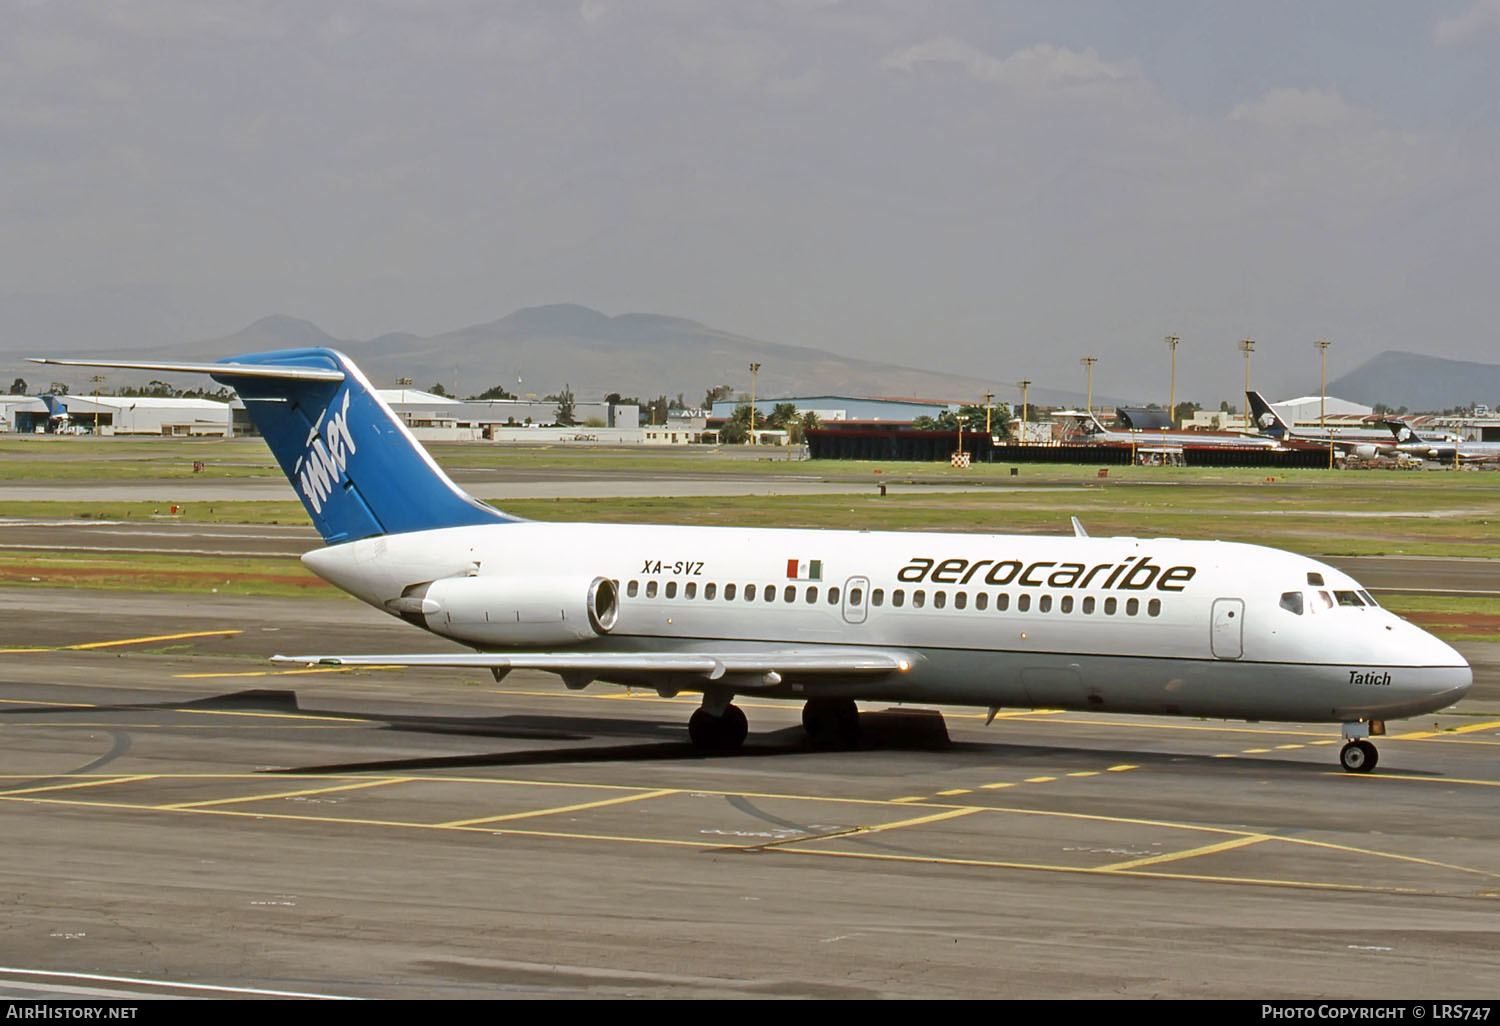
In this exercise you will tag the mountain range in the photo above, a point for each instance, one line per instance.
(543, 349)
(1420, 383)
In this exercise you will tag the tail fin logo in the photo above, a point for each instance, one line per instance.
(320, 469)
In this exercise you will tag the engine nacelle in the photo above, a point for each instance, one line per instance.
(499, 610)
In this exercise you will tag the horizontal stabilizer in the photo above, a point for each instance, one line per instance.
(351, 460)
(227, 370)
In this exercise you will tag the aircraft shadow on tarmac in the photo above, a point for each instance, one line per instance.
(656, 740)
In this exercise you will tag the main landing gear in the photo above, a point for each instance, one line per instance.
(831, 722)
(718, 726)
(1358, 755)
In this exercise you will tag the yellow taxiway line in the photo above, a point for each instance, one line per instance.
(533, 813)
(123, 641)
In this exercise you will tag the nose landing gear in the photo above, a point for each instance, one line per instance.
(1358, 755)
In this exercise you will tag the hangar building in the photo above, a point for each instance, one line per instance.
(119, 415)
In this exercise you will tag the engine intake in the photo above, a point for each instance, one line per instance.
(499, 610)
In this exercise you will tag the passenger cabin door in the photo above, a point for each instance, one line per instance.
(856, 599)
(1228, 634)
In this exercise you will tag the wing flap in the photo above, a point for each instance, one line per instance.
(709, 666)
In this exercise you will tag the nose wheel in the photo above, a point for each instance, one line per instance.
(1358, 756)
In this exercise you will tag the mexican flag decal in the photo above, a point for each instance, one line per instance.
(804, 569)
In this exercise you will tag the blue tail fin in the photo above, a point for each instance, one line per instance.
(356, 467)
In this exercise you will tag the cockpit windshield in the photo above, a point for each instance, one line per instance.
(1314, 600)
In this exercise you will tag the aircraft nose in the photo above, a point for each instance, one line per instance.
(1445, 674)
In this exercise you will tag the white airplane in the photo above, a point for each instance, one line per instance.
(1107, 625)
(1441, 450)
(1084, 426)
(1366, 444)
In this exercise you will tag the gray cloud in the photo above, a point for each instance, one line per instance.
(955, 185)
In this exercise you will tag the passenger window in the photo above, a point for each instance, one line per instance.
(728, 592)
(1002, 602)
(1088, 603)
(898, 597)
(960, 600)
(877, 597)
(1110, 606)
(1153, 608)
(856, 595)
(939, 599)
(812, 595)
(918, 599)
(789, 593)
(691, 591)
(710, 590)
(1291, 601)
(982, 600)
(671, 589)
(1066, 605)
(633, 588)
(1132, 606)
(749, 593)
(833, 597)
(1044, 604)
(1023, 602)
(769, 593)
(1348, 598)
(651, 589)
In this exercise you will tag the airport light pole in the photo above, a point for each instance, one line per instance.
(97, 379)
(989, 403)
(1025, 384)
(961, 418)
(754, 371)
(1323, 345)
(1247, 346)
(405, 383)
(1172, 341)
(1089, 361)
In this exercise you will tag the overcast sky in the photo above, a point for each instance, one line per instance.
(992, 188)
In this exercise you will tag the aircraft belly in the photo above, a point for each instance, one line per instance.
(1181, 687)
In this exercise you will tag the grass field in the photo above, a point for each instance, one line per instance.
(1434, 513)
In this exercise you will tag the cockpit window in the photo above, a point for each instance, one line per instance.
(1348, 598)
(1292, 602)
(1326, 599)
(1369, 599)
(1316, 580)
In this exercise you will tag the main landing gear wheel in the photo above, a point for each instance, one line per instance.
(831, 722)
(1358, 756)
(726, 733)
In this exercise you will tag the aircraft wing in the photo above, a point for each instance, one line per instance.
(768, 663)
